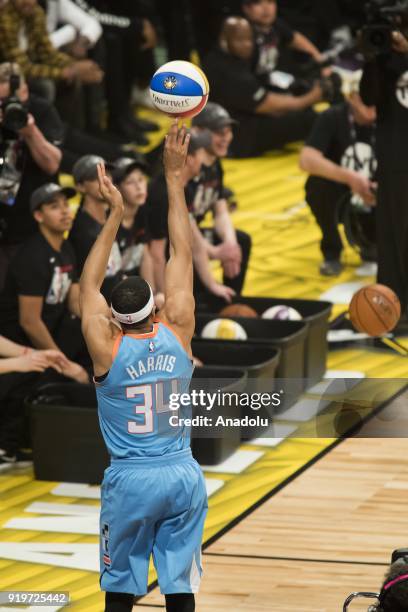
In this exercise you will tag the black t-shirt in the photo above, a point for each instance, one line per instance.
(17, 219)
(344, 142)
(202, 193)
(385, 84)
(82, 236)
(131, 242)
(38, 270)
(268, 44)
(157, 207)
(233, 84)
(205, 190)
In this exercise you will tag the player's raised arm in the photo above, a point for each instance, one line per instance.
(93, 305)
(179, 305)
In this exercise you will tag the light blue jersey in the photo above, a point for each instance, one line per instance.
(154, 501)
(133, 399)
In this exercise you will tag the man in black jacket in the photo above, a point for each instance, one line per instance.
(385, 85)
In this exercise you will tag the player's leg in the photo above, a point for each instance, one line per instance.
(127, 535)
(177, 545)
(180, 602)
(118, 602)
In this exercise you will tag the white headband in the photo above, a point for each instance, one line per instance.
(141, 314)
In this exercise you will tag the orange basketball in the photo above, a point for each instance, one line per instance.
(238, 310)
(375, 310)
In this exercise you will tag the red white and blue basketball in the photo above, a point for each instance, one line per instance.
(179, 89)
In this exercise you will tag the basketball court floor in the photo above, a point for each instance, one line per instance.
(295, 522)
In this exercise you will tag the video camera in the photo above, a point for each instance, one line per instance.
(383, 18)
(15, 115)
(399, 556)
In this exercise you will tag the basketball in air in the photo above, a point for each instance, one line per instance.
(375, 310)
(179, 89)
(282, 313)
(224, 329)
(239, 310)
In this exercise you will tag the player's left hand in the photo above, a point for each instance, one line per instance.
(109, 192)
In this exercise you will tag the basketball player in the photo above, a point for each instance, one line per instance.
(153, 494)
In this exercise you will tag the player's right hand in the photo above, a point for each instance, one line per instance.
(175, 150)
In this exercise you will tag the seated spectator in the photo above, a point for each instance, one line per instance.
(130, 176)
(157, 215)
(266, 120)
(41, 287)
(68, 24)
(339, 155)
(224, 243)
(40, 293)
(18, 358)
(24, 40)
(29, 157)
(272, 35)
(90, 219)
(129, 39)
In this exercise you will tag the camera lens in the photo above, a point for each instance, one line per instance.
(15, 117)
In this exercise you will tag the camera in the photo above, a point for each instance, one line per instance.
(15, 115)
(383, 17)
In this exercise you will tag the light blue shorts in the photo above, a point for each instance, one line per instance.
(152, 505)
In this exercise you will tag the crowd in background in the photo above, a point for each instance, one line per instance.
(80, 71)
(73, 77)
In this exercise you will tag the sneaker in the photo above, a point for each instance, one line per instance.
(24, 458)
(6, 461)
(331, 267)
(367, 268)
(21, 459)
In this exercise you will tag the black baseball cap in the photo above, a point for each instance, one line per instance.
(85, 169)
(199, 140)
(213, 117)
(46, 193)
(125, 165)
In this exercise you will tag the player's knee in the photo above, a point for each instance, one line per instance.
(180, 602)
(118, 602)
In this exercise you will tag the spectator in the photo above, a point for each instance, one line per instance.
(266, 120)
(230, 246)
(18, 358)
(41, 290)
(29, 157)
(129, 41)
(272, 35)
(130, 177)
(157, 215)
(24, 40)
(339, 155)
(90, 219)
(41, 286)
(68, 24)
(394, 592)
(384, 85)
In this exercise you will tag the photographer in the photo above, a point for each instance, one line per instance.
(385, 85)
(266, 120)
(393, 596)
(29, 136)
(339, 155)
